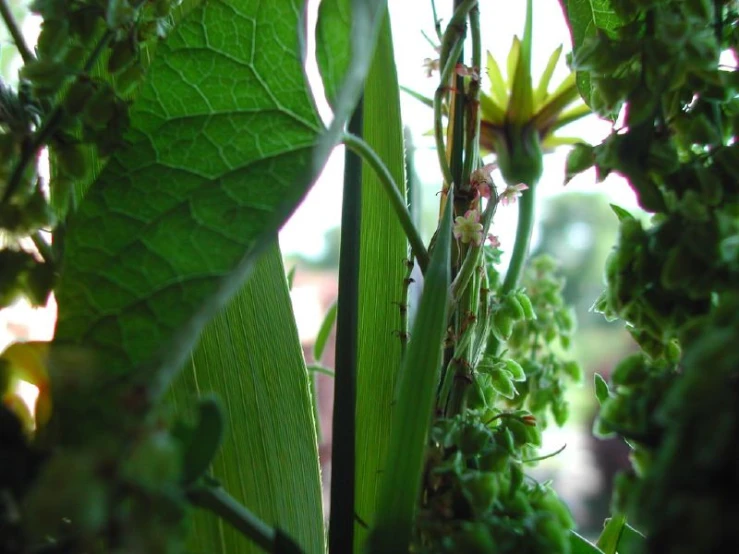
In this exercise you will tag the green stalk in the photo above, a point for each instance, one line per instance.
(523, 237)
(473, 122)
(360, 147)
(341, 523)
(438, 113)
(219, 502)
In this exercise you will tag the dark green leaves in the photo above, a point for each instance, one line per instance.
(584, 18)
(200, 441)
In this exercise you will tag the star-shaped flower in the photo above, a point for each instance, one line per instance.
(509, 195)
(481, 180)
(518, 121)
(468, 228)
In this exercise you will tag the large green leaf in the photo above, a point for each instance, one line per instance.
(250, 355)
(225, 142)
(383, 249)
(584, 18)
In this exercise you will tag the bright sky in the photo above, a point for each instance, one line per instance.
(500, 21)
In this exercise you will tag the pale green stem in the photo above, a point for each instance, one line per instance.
(364, 150)
(223, 505)
(438, 104)
(523, 237)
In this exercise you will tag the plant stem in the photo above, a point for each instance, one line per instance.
(473, 114)
(50, 126)
(472, 258)
(43, 247)
(523, 237)
(222, 504)
(16, 33)
(343, 491)
(438, 124)
(360, 147)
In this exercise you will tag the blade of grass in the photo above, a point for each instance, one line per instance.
(324, 332)
(413, 404)
(250, 356)
(383, 251)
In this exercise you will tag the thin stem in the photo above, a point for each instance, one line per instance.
(43, 247)
(520, 249)
(523, 237)
(50, 126)
(343, 490)
(223, 505)
(437, 21)
(360, 147)
(438, 112)
(16, 33)
(472, 258)
(473, 114)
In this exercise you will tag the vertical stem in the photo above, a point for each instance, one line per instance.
(523, 237)
(341, 523)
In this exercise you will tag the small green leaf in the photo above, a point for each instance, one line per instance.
(498, 89)
(609, 538)
(579, 159)
(621, 214)
(580, 545)
(503, 383)
(584, 18)
(601, 388)
(324, 332)
(515, 369)
(200, 443)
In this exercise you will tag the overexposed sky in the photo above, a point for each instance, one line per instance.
(321, 210)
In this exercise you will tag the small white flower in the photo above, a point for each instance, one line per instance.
(468, 228)
(512, 192)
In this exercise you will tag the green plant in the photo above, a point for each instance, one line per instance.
(180, 136)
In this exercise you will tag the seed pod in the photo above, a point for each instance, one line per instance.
(78, 95)
(53, 38)
(528, 308)
(515, 369)
(514, 308)
(502, 325)
(123, 53)
(71, 160)
(503, 383)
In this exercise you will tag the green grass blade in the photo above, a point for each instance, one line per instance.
(609, 538)
(580, 545)
(250, 357)
(414, 400)
(382, 270)
(324, 332)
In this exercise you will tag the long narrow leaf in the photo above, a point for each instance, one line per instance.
(323, 333)
(250, 356)
(580, 545)
(382, 270)
(417, 383)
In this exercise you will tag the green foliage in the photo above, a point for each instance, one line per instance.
(673, 280)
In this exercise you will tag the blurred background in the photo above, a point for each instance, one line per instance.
(574, 224)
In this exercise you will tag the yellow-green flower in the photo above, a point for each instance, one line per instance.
(518, 120)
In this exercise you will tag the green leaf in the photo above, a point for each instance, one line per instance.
(580, 545)
(201, 442)
(521, 103)
(324, 332)
(383, 248)
(584, 18)
(411, 418)
(250, 357)
(224, 144)
(345, 31)
(579, 159)
(601, 388)
(611, 535)
(631, 541)
(621, 213)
